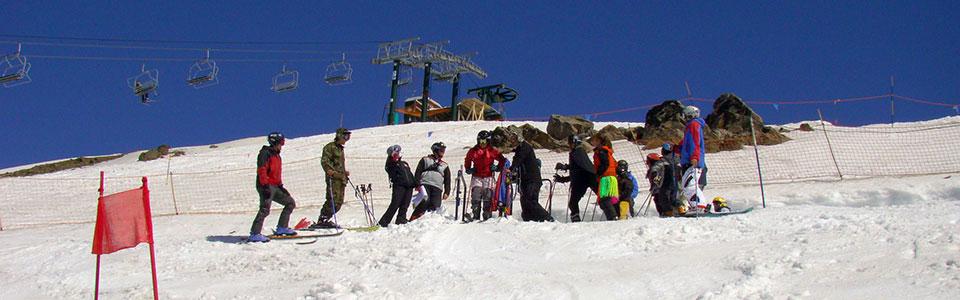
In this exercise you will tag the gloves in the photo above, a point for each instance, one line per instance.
(694, 163)
(494, 168)
(470, 171)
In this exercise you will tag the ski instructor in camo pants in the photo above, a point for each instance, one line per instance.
(270, 188)
(335, 175)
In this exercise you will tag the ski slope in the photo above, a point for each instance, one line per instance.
(875, 238)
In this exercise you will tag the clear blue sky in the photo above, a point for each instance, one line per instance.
(573, 58)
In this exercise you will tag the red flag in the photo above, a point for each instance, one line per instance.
(122, 222)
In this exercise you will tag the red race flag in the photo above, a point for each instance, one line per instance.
(122, 222)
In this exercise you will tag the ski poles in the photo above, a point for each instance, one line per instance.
(366, 208)
(646, 203)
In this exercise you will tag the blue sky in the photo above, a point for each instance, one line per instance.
(573, 57)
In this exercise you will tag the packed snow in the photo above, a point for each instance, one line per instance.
(874, 238)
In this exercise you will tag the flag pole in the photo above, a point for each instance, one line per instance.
(96, 288)
(149, 217)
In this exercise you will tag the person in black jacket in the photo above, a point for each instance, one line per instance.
(403, 184)
(526, 166)
(582, 175)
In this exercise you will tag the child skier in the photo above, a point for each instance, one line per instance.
(606, 169)
(403, 184)
(629, 189)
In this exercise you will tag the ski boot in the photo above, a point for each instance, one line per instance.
(324, 224)
(257, 238)
(284, 231)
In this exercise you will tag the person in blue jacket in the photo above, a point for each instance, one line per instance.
(692, 161)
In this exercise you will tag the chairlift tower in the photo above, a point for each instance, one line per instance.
(438, 64)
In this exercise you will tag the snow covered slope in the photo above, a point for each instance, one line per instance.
(876, 238)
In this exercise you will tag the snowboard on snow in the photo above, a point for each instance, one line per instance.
(713, 214)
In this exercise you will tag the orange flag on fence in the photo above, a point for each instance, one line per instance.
(122, 222)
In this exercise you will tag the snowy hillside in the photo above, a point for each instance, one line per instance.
(871, 237)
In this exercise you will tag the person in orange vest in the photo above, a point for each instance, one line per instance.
(608, 195)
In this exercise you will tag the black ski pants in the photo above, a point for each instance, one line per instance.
(530, 203)
(431, 202)
(399, 201)
(578, 188)
(268, 195)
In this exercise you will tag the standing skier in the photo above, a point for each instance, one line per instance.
(335, 176)
(434, 175)
(526, 166)
(403, 183)
(628, 189)
(666, 194)
(692, 160)
(606, 168)
(479, 163)
(270, 188)
(582, 175)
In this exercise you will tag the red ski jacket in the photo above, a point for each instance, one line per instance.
(481, 159)
(269, 167)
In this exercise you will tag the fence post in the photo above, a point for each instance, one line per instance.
(173, 192)
(829, 145)
(756, 153)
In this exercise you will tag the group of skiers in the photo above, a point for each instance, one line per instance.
(609, 179)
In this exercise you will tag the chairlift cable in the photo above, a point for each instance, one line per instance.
(172, 59)
(138, 47)
(159, 41)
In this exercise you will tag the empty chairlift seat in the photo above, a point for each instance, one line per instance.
(339, 72)
(16, 70)
(286, 80)
(203, 73)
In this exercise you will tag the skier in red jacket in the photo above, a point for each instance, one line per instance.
(480, 163)
(270, 188)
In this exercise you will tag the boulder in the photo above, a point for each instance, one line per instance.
(155, 153)
(561, 127)
(664, 123)
(806, 127)
(612, 133)
(729, 124)
(507, 138)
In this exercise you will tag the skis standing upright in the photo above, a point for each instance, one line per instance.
(456, 207)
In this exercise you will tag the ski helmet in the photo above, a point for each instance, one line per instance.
(437, 147)
(652, 157)
(691, 111)
(483, 135)
(574, 139)
(275, 138)
(719, 204)
(622, 166)
(393, 149)
(666, 149)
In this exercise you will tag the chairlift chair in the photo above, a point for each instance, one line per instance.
(203, 73)
(339, 73)
(286, 80)
(144, 84)
(406, 77)
(16, 70)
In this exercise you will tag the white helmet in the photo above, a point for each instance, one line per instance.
(691, 111)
